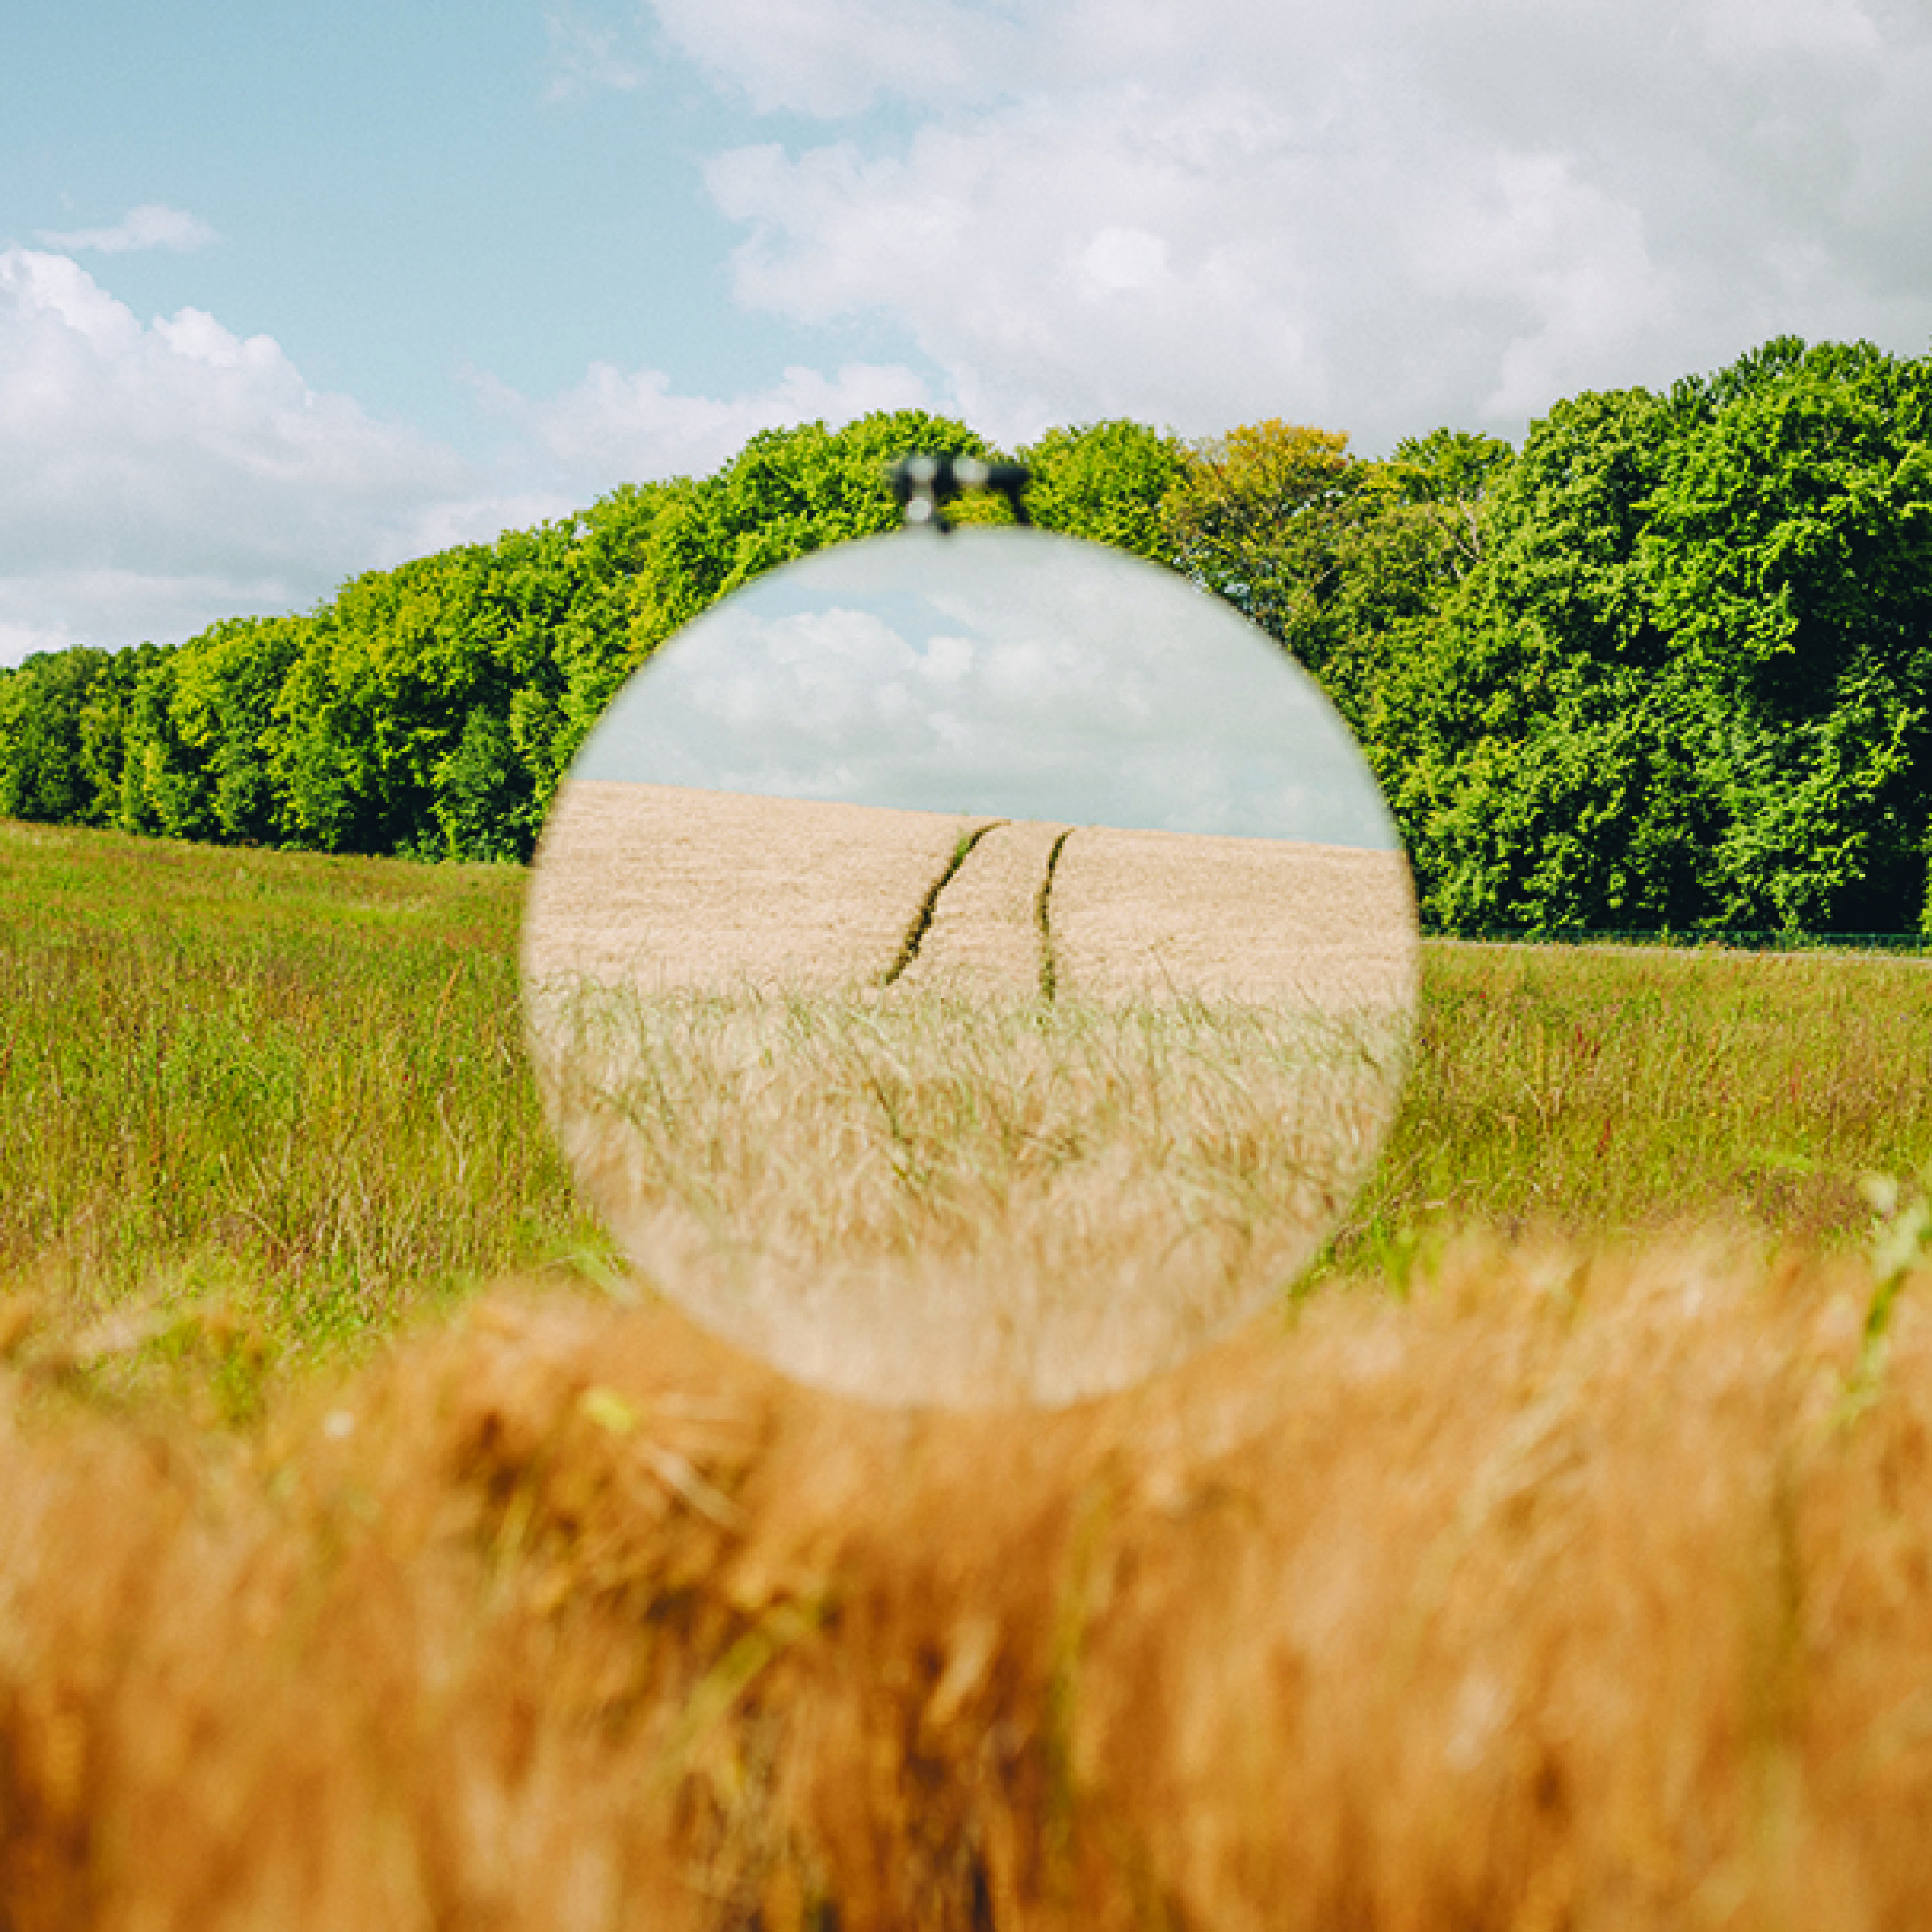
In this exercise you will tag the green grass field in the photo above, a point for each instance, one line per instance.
(1555, 1564)
(259, 1110)
(1607, 1092)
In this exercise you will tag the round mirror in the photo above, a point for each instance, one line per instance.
(969, 968)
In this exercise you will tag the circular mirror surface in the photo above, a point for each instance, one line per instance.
(970, 968)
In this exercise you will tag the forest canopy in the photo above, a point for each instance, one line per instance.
(1666, 666)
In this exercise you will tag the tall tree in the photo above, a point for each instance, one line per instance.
(42, 774)
(1258, 516)
(1108, 482)
(1688, 682)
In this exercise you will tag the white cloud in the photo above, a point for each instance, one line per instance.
(1812, 27)
(50, 609)
(586, 55)
(617, 426)
(838, 59)
(152, 225)
(1376, 217)
(161, 474)
(1576, 260)
(995, 672)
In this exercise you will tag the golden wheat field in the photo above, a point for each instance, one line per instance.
(664, 886)
(1580, 1591)
(1020, 1112)
(1570, 1578)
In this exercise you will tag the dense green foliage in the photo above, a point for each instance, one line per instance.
(1669, 666)
(429, 710)
(1688, 681)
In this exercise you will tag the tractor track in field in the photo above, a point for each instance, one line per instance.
(986, 925)
(659, 887)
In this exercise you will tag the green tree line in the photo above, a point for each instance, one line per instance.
(1668, 665)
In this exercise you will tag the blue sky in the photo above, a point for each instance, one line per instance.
(402, 197)
(288, 291)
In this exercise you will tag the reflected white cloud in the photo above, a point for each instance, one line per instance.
(1000, 673)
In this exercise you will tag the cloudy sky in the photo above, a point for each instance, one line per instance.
(289, 290)
(996, 673)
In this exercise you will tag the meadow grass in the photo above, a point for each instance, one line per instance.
(255, 1108)
(1582, 1583)
(1597, 1092)
(258, 1108)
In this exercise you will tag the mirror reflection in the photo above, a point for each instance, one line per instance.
(995, 670)
(970, 969)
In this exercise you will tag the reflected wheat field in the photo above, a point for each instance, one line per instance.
(1021, 1113)
(934, 1197)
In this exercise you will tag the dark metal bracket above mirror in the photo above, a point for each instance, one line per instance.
(924, 485)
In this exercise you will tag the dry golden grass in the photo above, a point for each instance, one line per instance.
(907, 1169)
(657, 885)
(1142, 913)
(1581, 1591)
(927, 1197)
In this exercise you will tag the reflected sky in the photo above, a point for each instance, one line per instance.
(999, 673)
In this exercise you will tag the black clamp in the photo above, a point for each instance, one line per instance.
(924, 485)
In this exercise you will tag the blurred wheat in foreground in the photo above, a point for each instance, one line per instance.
(1587, 1587)
(1575, 1592)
